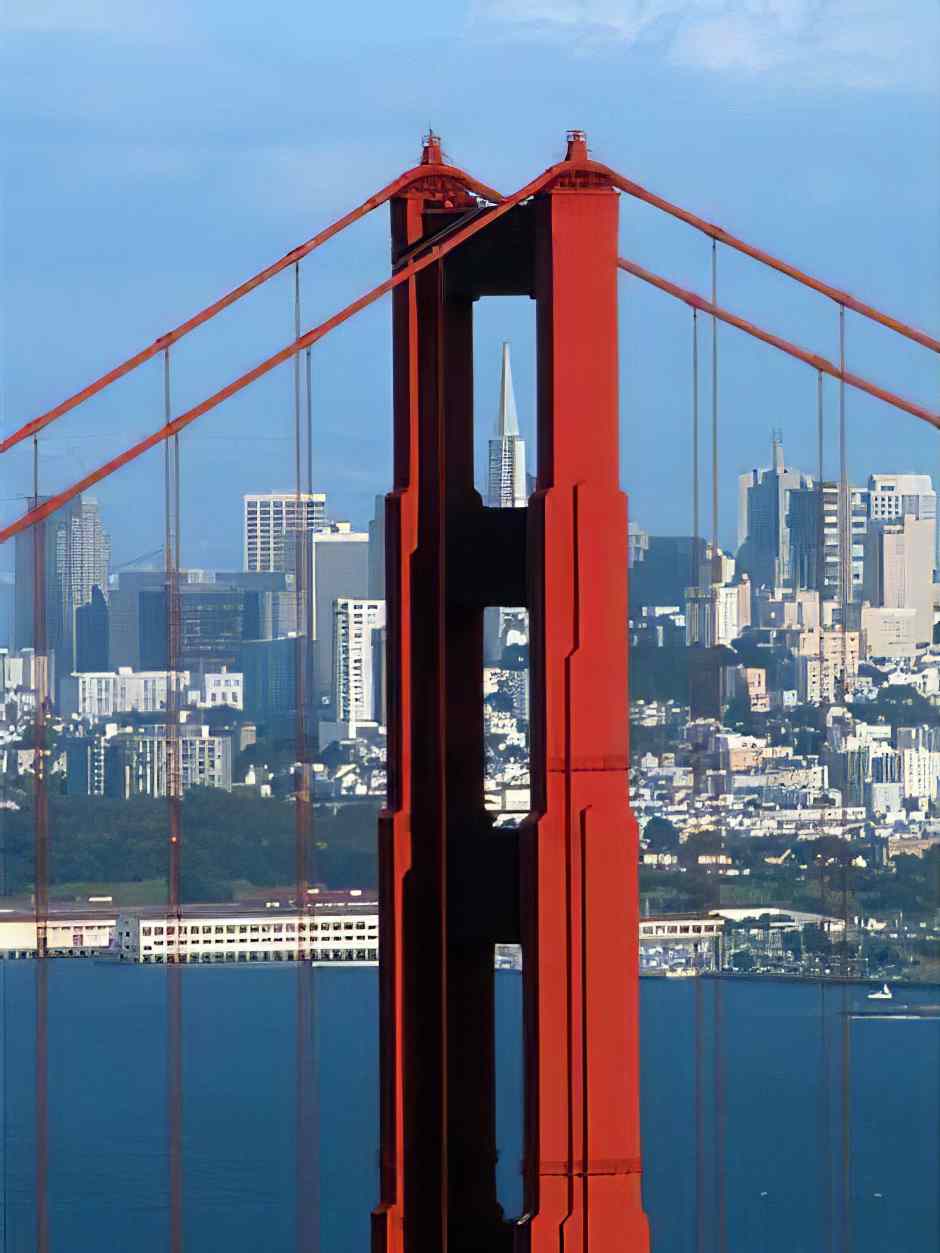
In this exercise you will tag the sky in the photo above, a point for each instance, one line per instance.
(155, 155)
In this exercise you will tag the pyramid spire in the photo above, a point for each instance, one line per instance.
(508, 420)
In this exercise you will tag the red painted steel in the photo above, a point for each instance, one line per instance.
(451, 174)
(307, 340)
(783, 267)
(565, 885)
(579, 852)
(41, 759)
(162, 342)
(443, 870)
(775, 341)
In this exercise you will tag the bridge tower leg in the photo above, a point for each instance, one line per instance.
(565, 885)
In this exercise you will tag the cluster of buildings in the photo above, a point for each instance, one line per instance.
(303, 620)
(868, 781)
(829, 601)
(852, 569)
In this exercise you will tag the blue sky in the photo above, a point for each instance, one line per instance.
(156, 155)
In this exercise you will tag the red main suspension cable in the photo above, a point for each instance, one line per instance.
(765, 258)
(429, 170)
(408, 271)
(776, 341)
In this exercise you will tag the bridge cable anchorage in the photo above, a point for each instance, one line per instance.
(775, 341)
(405, 273)
(375, 201)
(775, 263)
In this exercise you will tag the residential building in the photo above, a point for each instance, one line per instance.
(136, 763)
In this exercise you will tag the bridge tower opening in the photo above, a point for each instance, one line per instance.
(564, 885)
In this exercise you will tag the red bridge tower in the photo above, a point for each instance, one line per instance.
(565, 884)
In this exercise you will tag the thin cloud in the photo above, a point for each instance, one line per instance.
(126, 21)
(863, 44)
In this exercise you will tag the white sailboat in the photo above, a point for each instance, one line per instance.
(884, 995)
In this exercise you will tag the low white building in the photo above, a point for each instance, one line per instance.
(225, 689)
(331, 931)
(68, 933)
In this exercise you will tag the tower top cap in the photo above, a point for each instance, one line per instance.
(577, 146)
(431, 153)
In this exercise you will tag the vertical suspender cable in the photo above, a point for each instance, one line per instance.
(845, 514)
(41, 678)
(695, 580)
(825, 1070)
(313, 1120)
(715, 557)
(845, 552)
(718, 1048)
(820, 513)
(174, 1033)
(307, 1215)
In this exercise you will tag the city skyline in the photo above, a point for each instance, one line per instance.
(175, 183)
(323, 675)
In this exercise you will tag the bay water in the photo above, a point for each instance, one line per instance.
(778, 1117)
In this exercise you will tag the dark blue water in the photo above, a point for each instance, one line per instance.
(771, 1129)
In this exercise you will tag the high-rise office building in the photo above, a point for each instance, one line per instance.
(269, 516)
(214, 622)
(83, 555)
(899, 557)
(339, 569)
(506, 478)
(671, 563)
(816, 542)
(766, 555)
(377, 551)
(894, 496)
(357, 636)
(507, 484)
(91, 633)
(76, 558)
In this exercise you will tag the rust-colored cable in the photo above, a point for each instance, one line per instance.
(776, 341)
(766, 258)
(162, 342)
(408, 271)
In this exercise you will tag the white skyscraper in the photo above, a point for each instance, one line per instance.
(268, 516)
(893, 496)
(83, 554)
(506, 481)
(357, 632)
